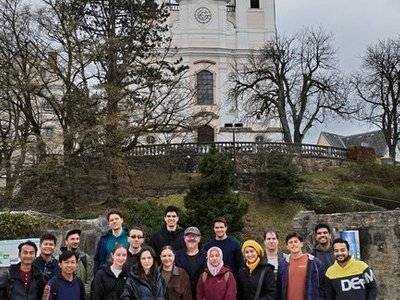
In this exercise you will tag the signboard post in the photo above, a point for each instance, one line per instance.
(352, 236)
(9, 251)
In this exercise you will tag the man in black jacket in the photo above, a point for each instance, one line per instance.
(23, 281)
(170, 233)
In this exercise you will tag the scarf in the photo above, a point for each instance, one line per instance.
(253, 265)
(260, 251)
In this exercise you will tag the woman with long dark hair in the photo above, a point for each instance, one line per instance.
(145, 281)
(109, 281)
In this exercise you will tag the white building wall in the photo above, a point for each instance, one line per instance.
(210, 37)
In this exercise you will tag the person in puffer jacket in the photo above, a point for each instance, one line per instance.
(145, 282)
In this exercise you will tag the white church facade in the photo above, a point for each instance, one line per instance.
(210, 35)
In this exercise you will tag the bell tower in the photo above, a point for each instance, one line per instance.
(210, 35)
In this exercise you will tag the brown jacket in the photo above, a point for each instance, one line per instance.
(179, 285)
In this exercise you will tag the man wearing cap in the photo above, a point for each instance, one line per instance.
(170, 234)
(85, 265)
(192, 259)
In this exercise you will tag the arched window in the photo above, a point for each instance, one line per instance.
(150, 139)
(254, 3)
(259, 139)
(205, 88)
(205, 134)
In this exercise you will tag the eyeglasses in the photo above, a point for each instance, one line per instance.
(136, 236)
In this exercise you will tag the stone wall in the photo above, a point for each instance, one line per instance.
(379, 241)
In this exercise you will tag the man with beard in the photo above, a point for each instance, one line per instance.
(192, 259)
(170, 234)
(348, 278)
(323, 247)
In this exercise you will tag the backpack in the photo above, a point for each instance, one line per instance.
(84, 260)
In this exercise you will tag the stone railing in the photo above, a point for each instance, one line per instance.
(186, 149)
(175, 6)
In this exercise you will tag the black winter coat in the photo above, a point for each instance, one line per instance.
(105, 286)
(137, 288)
(163, 237)
(12, 287)
(248, 283)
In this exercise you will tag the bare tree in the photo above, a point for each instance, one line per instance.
(21, 112)
(295, 79)
(19, 60)
(140, 86)
(377, 86)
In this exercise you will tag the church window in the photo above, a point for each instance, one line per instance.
(205, 88)
(254, 3)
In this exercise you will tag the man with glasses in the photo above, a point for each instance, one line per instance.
(136, 239)
(192, 259)
(170, 234)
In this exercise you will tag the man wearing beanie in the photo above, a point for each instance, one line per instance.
(256, 278)
(300, 275)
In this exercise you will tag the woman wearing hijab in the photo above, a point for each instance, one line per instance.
(177, 280)
(256, 278)
(217, 281)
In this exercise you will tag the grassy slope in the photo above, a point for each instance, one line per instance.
(260, 216)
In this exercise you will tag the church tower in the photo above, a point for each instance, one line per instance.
(210, 35)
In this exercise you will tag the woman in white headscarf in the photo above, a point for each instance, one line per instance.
(217, 281)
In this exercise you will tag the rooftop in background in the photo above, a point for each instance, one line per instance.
(373, 139)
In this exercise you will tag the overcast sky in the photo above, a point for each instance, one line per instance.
(355, 25)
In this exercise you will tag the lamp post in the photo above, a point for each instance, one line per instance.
(234, 126)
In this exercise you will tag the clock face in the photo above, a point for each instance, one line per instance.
(202, 15)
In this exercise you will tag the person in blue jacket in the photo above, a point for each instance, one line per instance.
(117, 235)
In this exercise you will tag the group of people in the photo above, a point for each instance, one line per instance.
(175, 265)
